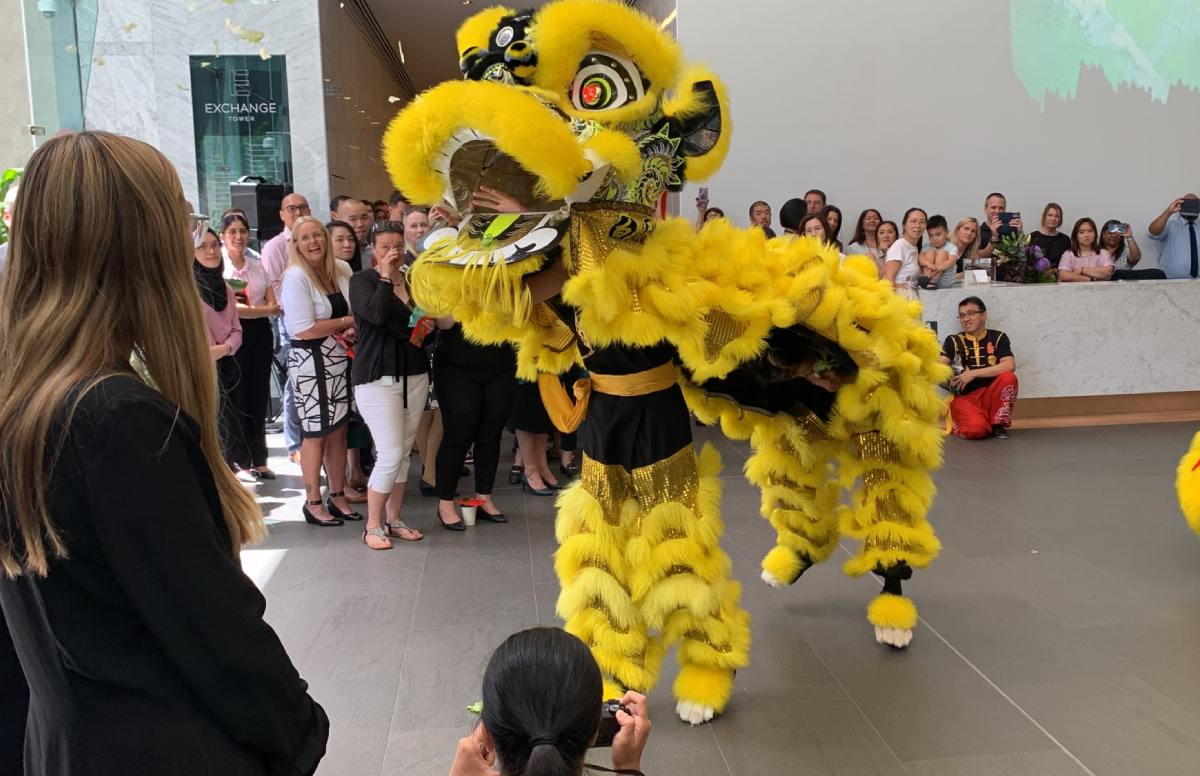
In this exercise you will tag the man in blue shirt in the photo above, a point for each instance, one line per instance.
(1179, 255)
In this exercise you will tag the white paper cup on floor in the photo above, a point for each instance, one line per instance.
(468, 514)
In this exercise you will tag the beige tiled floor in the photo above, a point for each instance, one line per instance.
(1060, 632)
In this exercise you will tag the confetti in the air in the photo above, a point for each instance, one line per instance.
(393, 99)
(264, 54)
(191, 7)
(101, 60)
(71, 48)
(130, 27)
(182, 88)
(205, 64)
(246, 34)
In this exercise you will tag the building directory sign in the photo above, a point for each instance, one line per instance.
(240, 118)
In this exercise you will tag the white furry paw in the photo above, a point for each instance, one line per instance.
(694, 713)
(773, 580)
(894, 637)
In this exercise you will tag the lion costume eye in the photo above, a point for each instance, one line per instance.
(606, 81)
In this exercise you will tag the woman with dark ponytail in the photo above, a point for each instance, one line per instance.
(542, 698)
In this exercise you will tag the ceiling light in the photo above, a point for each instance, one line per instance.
(670, 18)
(400, 45)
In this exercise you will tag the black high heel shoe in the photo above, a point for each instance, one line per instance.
(515, 474)
(333, 509)
(527, 488)
(569, 469)
(459, 526)
(312, 519)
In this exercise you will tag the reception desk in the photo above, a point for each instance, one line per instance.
(1135, 342)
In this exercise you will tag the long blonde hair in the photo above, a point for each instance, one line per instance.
(99, 271)
(331, 266)
(966, 255)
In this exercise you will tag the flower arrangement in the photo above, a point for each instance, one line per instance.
(1019, 262)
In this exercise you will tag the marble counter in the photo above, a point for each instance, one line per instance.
(1089, 339)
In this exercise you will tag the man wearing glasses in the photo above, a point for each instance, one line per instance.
(985, 379)
(275, 262)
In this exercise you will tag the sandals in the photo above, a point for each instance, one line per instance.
(401, 531)
(515, 474)
(377, 539)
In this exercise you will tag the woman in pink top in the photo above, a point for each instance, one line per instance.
(255, 306)
(1085, 262)
(224, 332)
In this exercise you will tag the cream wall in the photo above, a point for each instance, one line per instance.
(354, 125)
(143, 86)
(15, 142)
(887, 104)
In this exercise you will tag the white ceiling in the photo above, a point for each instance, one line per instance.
(426, 30)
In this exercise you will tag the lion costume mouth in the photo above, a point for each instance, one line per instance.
(462, 135)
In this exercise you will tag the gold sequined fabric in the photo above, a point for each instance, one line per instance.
(673, 479)
(557, 335)
(722, 328)
(873, 447)
(599, 228)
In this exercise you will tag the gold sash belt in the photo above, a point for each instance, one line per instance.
(567, 415)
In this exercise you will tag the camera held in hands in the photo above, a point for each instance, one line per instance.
(608, 723)
(1190, 208)
(1118, 228)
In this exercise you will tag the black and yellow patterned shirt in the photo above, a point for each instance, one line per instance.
(977, 353)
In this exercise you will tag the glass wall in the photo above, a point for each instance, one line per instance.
(59, 37)
(240, 112)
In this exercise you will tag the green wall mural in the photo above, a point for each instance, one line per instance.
(1151, 45)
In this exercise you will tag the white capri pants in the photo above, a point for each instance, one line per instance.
(393, 426)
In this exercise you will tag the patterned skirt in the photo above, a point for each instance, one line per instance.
(319, 371)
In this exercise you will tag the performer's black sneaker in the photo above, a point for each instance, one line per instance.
(1000, 432)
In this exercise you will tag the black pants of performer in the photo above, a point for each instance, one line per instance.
(475, 406)
(229, 422)
(252, 393)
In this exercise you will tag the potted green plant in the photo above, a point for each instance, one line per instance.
(7, 180)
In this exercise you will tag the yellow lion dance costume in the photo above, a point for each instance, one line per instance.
(1187, 484)
(583, 112)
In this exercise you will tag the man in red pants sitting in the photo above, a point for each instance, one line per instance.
(986, 386)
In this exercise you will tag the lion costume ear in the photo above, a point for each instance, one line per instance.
(699, 109)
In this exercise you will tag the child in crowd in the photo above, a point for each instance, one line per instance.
(1085, 262)
(939, 260)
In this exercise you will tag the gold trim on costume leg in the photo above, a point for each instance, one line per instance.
(887, 514)
(681, 578)
(792, 464)
(593, 522)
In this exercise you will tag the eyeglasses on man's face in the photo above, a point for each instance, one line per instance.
(970, 314)
(297, 210)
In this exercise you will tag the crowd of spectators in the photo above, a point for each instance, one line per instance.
(922, 252)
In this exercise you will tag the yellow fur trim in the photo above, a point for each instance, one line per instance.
(565, 31)
(476, 32)
(520, 125)
(705, 686)
(783, 563)
(892, 611)
(618, 149)
(1187, 483)
(686, 102)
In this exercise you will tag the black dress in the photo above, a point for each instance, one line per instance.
(145, 649)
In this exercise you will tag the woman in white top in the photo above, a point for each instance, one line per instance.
(316, 313)
(900, 265)
(255, 307)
